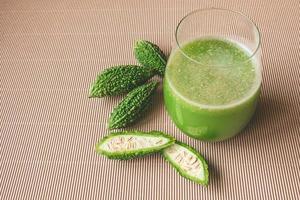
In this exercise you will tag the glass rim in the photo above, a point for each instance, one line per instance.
(220, 9)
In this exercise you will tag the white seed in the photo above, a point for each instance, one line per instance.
(192, 160)
(108, 145)
(159, 142)
(178, 155)
(180, 160)
(133, 145)
(128, 146)
(196, 166)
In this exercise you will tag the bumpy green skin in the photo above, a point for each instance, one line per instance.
(125, 155)
(150, 55)
(133, 106)
(182, 172)
(120, 79)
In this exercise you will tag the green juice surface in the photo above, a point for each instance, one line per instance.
(211, 88)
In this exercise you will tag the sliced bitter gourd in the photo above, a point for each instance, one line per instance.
(133, 106)
(188, 162)
(128, 145)
(150, 55)
(120, 79)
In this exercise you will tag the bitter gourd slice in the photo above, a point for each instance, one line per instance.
(150, 55)
(188, 162)
(133, 106)
(131, 144)
(120, 79)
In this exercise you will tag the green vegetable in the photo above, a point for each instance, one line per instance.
(188, 162)
(120, 79)
(133, 106)
(150, 55)
(131, 144)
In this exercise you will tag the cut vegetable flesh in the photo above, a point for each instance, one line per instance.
(128, 145)
(125, 143)
(188, 162)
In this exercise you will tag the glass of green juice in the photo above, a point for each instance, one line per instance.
(213, 76)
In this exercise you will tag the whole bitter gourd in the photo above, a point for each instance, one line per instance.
(120, 79)
(133, 106)
(132, 144)
(150, 55)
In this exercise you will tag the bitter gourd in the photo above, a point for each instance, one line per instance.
(188, 162)
(150, 55)
(133, 106)
(131, 144)
(120, 79)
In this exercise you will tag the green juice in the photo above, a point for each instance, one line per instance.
(211, 88)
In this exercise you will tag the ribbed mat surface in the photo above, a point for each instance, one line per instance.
(51, 50)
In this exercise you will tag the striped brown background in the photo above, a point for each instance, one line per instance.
(51, 50)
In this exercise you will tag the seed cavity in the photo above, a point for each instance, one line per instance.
(131, 142)
(185, 159)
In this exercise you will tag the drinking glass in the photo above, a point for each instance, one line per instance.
(213, 76)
